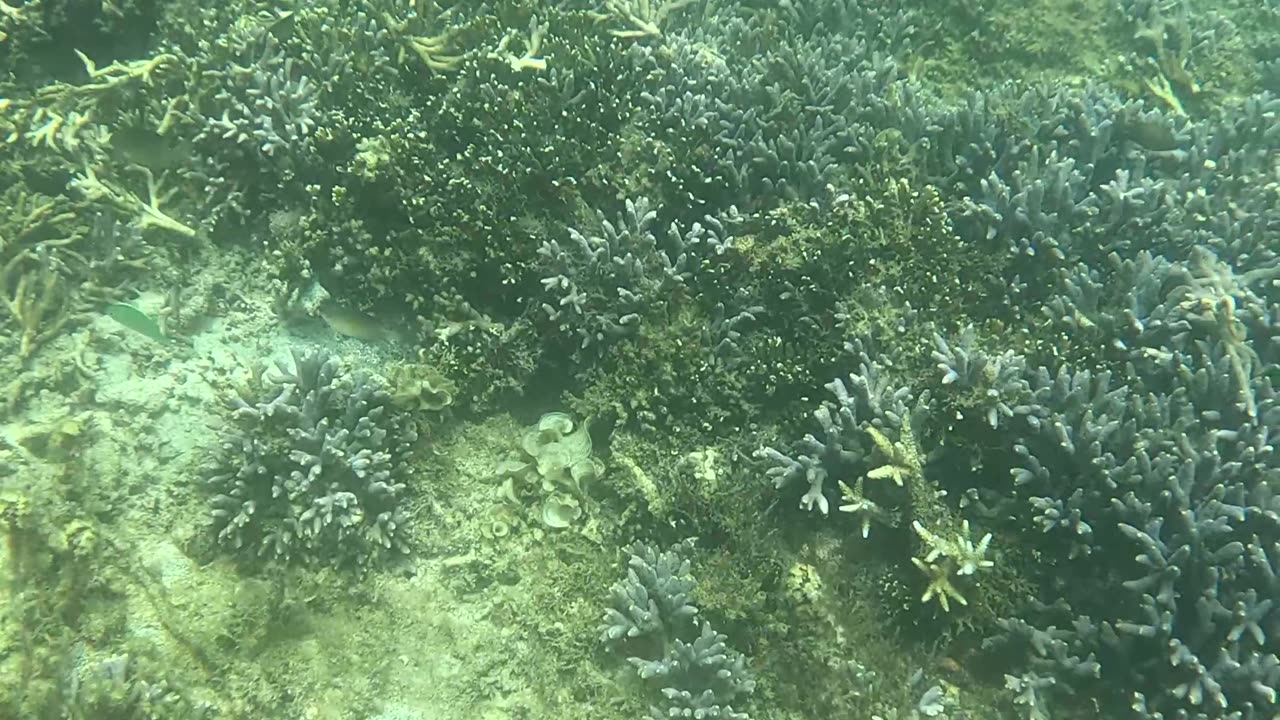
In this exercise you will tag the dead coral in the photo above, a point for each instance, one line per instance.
(418, 33)
(640, 18)
(61, 116)
(35, 295)
(54, 267)
(32, 288)
(146, 213)
(1166, 32)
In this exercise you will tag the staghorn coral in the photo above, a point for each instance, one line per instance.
(986, 384)
(55, 268)
(944, 549)
(34, 292)
(600, 287)
(146, 213)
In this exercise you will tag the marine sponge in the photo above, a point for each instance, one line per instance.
(318, 470)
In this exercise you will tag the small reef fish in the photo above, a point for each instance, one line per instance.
(355, 324)
(137, 321)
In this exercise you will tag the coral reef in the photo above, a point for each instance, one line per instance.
(884, 480)
(116, 687)
(998, 281)
(267, 104)
(601, 287)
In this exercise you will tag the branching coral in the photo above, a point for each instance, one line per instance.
(63, 132)
(35, 294)
(435, 53)
(1030, 694)
(1171, 42)
(654, 599)
(267, 100)
(531, 58)
(988, 384)
(902, 463)
(642, 18)
(858, 503)
(110, 77)
(436, 49)
(56, 265)
(60, 115)
(1213, 296)
(946, 557)
(652, 617)
(902, 459)
(11, 15)
(33, 287)
(600, 286)
(146, 214)
(317, 473)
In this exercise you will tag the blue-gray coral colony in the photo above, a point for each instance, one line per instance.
(1043, 318)
(317, 471)
(653, 619)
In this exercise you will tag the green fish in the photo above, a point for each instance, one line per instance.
(137, 321)
(354, 324)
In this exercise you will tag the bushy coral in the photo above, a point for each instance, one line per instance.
(885, 478)
(652, 617)
(266, 102)
(317, 470)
